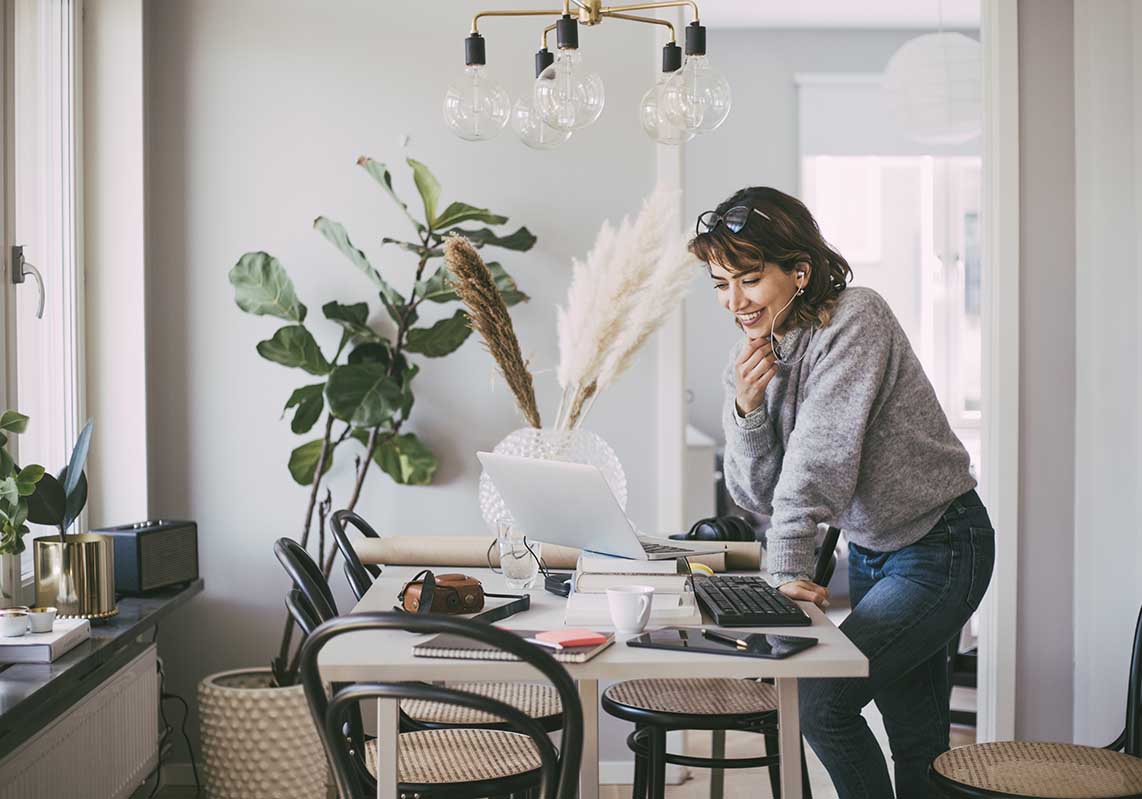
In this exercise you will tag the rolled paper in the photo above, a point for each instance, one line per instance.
(474, 551)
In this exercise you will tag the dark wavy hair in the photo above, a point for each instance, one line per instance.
(788, 237)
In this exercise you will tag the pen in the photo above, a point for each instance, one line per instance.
(725, 639)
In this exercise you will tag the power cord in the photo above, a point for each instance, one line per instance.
(168, 730)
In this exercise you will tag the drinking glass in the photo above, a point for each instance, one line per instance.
(519, 558)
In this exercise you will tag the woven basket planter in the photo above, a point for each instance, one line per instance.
(259, 742)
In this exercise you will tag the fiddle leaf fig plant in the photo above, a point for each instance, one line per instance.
(16, 486)
(360, 395)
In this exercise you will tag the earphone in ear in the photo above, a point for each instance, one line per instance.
(800, 286)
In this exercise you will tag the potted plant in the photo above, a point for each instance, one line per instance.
(74, 572)
(257, 738)
(16, 485)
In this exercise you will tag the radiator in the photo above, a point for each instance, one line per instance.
(102, 748)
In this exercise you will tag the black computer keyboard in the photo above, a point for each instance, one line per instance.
(743, 601)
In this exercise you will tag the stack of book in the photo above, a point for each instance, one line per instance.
(673, 601)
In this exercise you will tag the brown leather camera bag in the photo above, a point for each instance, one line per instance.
(443, 593)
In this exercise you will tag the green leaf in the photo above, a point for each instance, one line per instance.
(438, 287)
(7, 465)
(310, 400)
(363, 394)
(27, 478)
(293, 346)
(78, 458)
(76, 498)
(456, 213)
(405, 459)
(9, 492)
(13, 422)
(335, 234)
(353, 319)
(507, 285)
(380, 173)
(262, 287)
(303, 461)
(442, 338)
(372, 352)
(406, 389)
(48, 504)
(429, 188)
(418, 249)
(521, 240)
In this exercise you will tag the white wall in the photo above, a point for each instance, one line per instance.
(257, 112)
(756, 146)
(1108, 367)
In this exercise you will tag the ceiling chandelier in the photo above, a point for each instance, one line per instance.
(690, 97)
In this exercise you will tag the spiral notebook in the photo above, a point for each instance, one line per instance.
(457, 646)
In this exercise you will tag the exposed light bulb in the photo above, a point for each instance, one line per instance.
(566, 95)
(654, 122)
(476, 107)
(532, 130)
(696, 98)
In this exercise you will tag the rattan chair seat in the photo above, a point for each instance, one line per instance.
(459, 755)
(1044, 770)
(536, 700)
(707, 696)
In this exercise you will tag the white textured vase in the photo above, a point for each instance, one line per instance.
(258, 741)
(572, 446)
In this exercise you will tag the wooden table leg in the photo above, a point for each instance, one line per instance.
(388, 748)
(789, 738)
(589, 768)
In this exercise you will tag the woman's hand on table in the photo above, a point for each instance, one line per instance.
(806, 591)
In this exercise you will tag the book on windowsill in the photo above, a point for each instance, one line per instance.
(32, 647)
(446, 645)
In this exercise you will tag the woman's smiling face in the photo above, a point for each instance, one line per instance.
(753, 297)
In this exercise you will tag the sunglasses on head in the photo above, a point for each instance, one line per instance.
(734, 219)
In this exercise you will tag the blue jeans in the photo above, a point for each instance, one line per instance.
(908, 606)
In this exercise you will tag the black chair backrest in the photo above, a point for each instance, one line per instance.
(560, 771)
(1133, 736)
(827, 558)
(307, 577)
(360, 576)
(302, 611)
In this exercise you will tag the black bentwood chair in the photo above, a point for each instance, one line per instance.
(360, 576)
(1020, 769)
(537, 700)
(709, 703)
(448, 763)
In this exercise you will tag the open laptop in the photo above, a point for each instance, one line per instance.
(571, 504)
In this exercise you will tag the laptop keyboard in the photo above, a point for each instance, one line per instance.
(664, 549)
(745, 601)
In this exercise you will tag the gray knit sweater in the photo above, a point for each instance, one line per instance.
(853, 436)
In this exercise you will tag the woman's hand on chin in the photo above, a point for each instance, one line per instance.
(806, 591)
(754, 368)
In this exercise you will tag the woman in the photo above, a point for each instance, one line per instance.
(829, 418)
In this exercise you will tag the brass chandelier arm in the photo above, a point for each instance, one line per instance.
(610, 11)
(547, 13)
(635, 18)
(543, 36)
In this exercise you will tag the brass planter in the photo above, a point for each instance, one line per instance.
(78, 576)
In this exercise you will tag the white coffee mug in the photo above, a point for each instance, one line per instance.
(630, 607)
(41, 619)
(13, 623)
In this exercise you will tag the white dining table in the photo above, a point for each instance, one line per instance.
(386, 655)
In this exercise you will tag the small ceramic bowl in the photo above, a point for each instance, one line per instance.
(41, 619)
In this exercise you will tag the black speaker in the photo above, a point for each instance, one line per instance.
(153, 554)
